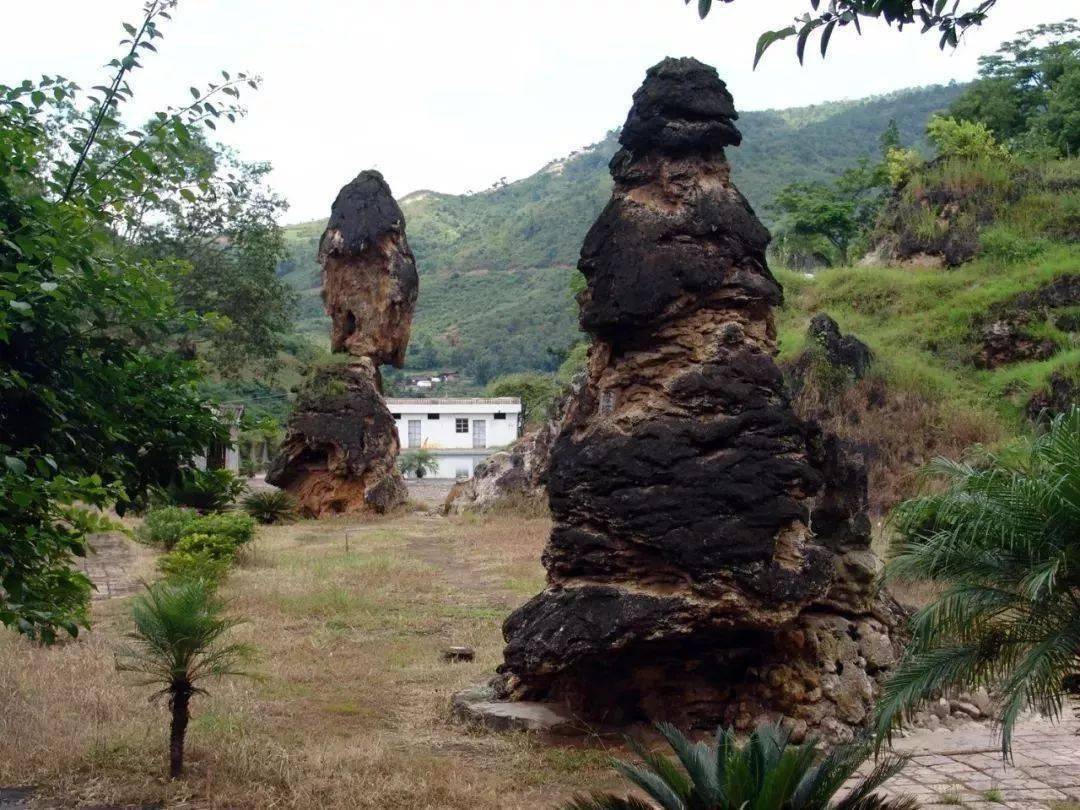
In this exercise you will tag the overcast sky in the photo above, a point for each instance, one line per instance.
(454, 94)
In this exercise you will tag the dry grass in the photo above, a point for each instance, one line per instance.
(352, 709)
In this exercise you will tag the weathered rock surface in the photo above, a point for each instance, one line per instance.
(370, 282)
(710, 558)
(341, 445)
(827, 344)
(1061, 393)
(1007, 335)
(340, 449)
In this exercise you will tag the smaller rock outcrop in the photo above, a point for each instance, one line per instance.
(341, 445)
(1061, 393)
(1008, 334)
(825, 343)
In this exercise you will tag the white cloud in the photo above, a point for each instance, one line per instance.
(454, 94)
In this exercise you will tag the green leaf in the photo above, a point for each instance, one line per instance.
(38, 98)
(15, 465)
(194, 92)
(129, 28)
(49, 286)
(768, 38)
(188, 194)
(21, 306)
(703, 8)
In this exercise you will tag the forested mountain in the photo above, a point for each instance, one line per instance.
(496, 266)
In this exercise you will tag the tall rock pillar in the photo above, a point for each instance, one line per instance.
(710, 558)
(341, 446)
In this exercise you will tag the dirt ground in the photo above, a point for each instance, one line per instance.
(350, 709)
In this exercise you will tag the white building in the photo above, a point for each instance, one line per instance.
(459, 432)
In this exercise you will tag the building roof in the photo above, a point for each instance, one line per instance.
(453, 401)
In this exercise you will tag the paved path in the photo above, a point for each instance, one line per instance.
(964, 766)
(109, 566)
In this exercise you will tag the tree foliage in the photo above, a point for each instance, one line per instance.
(94, 408)
(1003, 541)
(1028, 92)
(950, 19)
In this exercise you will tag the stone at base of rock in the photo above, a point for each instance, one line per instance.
(479, 706)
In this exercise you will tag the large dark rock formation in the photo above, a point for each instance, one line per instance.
(341, 445)
(710, 559)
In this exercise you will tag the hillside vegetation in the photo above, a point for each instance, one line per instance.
(496, 266)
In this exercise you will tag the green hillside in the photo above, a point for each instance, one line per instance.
(496, 266)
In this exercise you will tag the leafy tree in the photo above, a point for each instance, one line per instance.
(536, 391)
(418, 463)
(178, 642)
(1026, 92)
(1003, 540)
(948, 18)
(229, 245)
(93, 409)
(818, 211)
(966, 140)
(766, 773)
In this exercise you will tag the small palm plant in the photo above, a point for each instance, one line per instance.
(767, 773)
(271, 506)
(1003, 539)
(178, 641)
(418, 463)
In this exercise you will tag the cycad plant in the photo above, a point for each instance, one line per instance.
(768, 772)
(179, 641)
(271, 506)
(418, 463)
(1003, 539)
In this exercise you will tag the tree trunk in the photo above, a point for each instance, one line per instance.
(181, 695)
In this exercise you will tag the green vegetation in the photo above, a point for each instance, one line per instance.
(418, 463)
(536, 391)
(271, 506)
(163, 526)
(1002, 539)
(178, 642)
(96, 406)
(203, 490)
(768, 772)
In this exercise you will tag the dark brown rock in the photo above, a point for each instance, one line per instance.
(1061, 393)
(370, 282)
(710, 557)
(341, 445)
(1005, 334)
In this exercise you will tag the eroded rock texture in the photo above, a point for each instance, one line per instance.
(710, 559)
(369, 274)
(341, 446)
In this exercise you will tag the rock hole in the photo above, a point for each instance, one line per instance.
(350, 322)
(839, 667)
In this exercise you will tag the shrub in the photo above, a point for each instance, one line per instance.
(767, 773)
(164, 526)
(963, 139)
(536, 391)
(204, 490)
(418, 463)
(240, 529)
(217, 546)
(202, 566)
(271, 506)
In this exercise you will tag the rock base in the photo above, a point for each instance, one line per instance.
(480, 706)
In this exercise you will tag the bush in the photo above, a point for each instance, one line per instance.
(536, 391)
(271, 506)
(202, 566)
(204, 490)
(217, 546)
(164, 526)
(240, 529)
(418, 463)
(963, 139)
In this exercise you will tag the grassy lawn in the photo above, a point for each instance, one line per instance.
(352, 708)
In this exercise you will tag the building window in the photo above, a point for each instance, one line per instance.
(461, 426)
(500, 415)
(461, 473)
(432, 416)
(396, 415)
